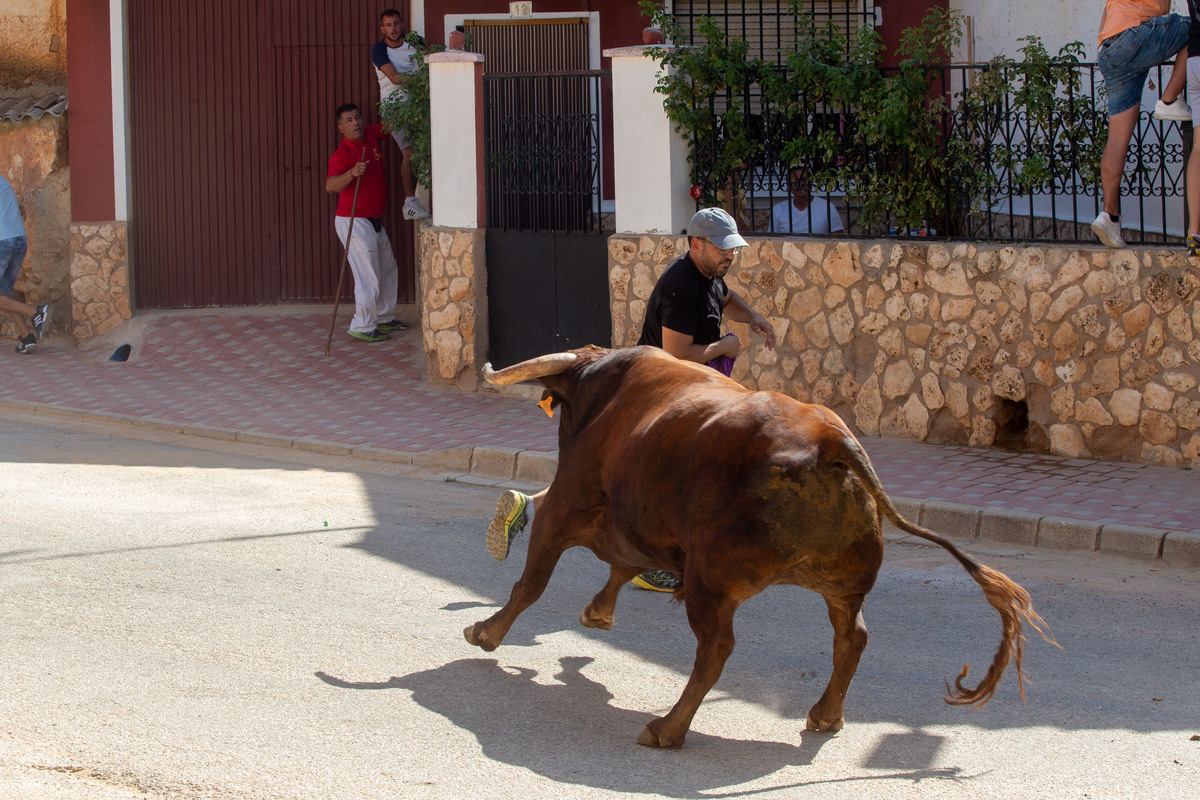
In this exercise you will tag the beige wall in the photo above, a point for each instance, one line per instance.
(944, 342)
(33, 49)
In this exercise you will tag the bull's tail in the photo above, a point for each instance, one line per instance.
(1005, 595)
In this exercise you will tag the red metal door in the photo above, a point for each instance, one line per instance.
(231, 118)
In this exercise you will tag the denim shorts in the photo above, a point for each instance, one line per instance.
(12, 255)
(1126, 59)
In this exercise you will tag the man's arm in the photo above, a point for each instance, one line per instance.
(382, 63)
(739, 310)
(684, 347)
(336, 183)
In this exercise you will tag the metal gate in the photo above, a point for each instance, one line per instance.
(547, 250)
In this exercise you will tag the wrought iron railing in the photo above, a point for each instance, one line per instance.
(1060, 208)
(772, 27)
(543, 137)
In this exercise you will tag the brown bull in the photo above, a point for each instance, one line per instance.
(665, 464)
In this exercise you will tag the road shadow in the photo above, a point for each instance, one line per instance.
(576, 724)
(1119, 665)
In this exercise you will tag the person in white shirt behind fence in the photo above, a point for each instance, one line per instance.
(799, 214)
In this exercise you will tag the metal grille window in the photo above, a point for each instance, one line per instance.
(769, 25)
(542, 142)
(540, 45)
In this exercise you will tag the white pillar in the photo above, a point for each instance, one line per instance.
(456, 130)
(652, 177)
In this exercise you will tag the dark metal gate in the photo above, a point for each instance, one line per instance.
(547, 250)
(547, 253)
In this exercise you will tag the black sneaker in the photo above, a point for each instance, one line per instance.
(656, 580)
(40, 320)
(27, 344)
(374, 337)
(391, 327)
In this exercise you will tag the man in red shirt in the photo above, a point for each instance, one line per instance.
(359, 158)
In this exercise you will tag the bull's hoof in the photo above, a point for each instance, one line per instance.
(474, 635)
(829, 725)
(650, 737)
(590, 619)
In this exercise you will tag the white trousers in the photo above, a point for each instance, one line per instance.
(376, 275)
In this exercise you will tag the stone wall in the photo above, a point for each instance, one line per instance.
(99, 278)
(453, 302)
(1082, 353)
(33, 157)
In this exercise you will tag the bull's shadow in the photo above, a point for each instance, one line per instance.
(576, 723)
(925, 623)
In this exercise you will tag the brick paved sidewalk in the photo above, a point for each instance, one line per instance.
(261, 373)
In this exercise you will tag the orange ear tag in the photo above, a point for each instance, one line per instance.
(547, 405)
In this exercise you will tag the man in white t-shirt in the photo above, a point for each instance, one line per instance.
(800, 215)
(392, 57)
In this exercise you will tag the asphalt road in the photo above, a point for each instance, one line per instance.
(240, 622)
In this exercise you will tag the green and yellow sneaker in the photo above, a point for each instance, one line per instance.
(656, 580)
(510, 520)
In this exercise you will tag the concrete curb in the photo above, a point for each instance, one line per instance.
(496, 465)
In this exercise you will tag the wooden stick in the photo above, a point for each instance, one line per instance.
(337, 295)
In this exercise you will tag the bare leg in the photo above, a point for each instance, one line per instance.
(599, 612)
(1112, 163)
(1178, 78)
(849, 641)
(406, 175)
(19, 312)
(711, 616)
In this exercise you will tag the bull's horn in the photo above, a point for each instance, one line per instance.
(532, 369)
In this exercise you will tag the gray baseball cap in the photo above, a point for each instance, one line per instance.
(717, 226)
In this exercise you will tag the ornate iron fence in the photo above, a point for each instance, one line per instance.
(543, 150)
(1060, 209)
(771, 26)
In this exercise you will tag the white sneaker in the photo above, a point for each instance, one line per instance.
(414, 210)
(1178, 110)
(1108, 231)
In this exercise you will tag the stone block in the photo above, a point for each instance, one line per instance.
(535, 466)
(951, 520)
(382, 454)
(1068, 534)
(1019, 528)
(498, 462)
(1132, 541)
(320, 446)
(268, 439)
(456, 460)
(209, 432)
(1181, 549)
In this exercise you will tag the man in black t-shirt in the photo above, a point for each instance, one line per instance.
(683, 315)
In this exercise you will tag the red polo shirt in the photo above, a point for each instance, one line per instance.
(372, 191)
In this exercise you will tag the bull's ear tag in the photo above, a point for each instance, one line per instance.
(547, 405)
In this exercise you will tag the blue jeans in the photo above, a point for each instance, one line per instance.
(12, 255)
(1127, 58)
